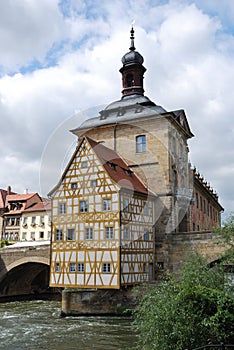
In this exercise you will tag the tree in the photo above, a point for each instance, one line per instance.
(189, 312)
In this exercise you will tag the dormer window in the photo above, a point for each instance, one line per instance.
(112, 165)
(128, 172)
(141, 143)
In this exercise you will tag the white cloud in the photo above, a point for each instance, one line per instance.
(188, 55)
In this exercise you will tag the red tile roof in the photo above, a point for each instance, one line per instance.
(40, 206)
(118, 169)
(19, 197)
(3, 195)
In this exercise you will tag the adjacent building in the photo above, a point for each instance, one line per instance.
(24, 217)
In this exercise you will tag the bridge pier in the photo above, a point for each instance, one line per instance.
(92, 302)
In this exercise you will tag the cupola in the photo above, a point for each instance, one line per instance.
(132, 71)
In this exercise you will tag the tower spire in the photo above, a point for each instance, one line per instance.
(132, 47)
(132, 70)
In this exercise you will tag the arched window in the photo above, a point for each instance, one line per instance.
(141, 143)
(129, 80)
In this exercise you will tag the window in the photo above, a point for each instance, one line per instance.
(80, 267)
(70, 234)
(57, 267)
(17, 221)
(41, 234)
(126, 233)
(33, 220)
(42, 219)
(106, 267)
(24, 236)
(175, 179)
(125, 204)
(33, 236)
(89, 233)
(84, 164)
(197, 200)
(146, 235)
(109, 232)
(129, 80)
(72, 267)
(94, 183)
(74, 185)
(146, 209)
(83, 206)
(59, 235)
(62, 208)
(141, 144)
(106, 204)
(25, 221)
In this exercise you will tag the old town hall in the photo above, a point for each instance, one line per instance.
(126, 190)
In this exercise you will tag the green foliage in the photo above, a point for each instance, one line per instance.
(226, 235)
(3, 243)
(186, 313)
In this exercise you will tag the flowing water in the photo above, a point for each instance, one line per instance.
(37, 325)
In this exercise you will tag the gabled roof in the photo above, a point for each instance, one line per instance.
(40, 206)
(181, 120)
(115, 166)
(118, 169)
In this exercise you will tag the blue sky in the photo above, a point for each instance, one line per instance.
(60, 63)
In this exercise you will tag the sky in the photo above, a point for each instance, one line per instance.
(60, 62)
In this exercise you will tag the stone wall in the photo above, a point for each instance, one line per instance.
(78, 302)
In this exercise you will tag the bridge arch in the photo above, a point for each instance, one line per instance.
(24, 270)
(28, 259)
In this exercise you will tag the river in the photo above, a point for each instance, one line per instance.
(37, 325)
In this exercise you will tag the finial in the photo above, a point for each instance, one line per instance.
(132, 47)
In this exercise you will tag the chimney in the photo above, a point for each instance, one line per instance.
(26, 191)
(9, 190)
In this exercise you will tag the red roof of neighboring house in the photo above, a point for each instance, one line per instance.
(118, 169)
(19, 197)
(3, 195)
(40, 206)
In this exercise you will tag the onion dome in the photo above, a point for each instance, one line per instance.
(132, 56)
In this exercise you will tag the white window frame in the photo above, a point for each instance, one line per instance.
(106, 268)
(70, 234)
(83, 206)
(106, 204)
(88, 233)
(126, 233)
(59, 235)
(72, 267)
(62, 208)
(109, 232)
(80, 267)
(140, 143)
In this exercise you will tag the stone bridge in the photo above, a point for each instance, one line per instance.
(24, 268)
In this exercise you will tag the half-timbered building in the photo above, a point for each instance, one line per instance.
(103, 222)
